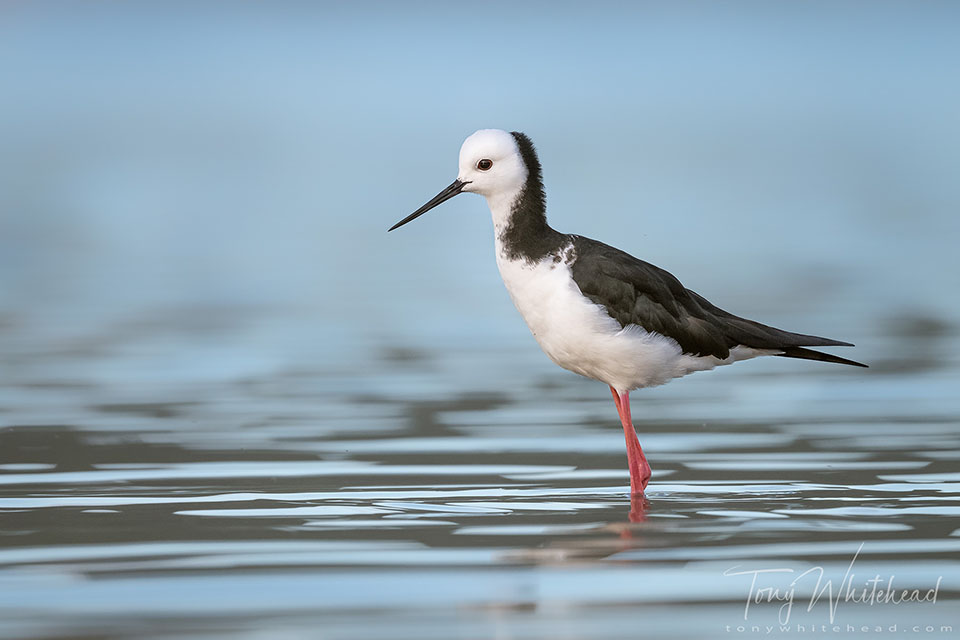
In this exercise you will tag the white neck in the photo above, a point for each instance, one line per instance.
(501, 206)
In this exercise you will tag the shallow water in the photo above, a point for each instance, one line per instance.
(412, 500)
(233, 406)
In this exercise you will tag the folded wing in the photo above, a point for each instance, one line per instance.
(636, 292)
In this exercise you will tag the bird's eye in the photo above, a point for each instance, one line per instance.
(485, 164)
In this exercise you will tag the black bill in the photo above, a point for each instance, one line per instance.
(443, 196)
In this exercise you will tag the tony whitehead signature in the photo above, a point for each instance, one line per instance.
(874, 591)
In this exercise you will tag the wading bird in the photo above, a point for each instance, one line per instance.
(594, 309)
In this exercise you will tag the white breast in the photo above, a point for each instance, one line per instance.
(579, 335)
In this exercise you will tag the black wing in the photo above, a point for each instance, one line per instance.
(637, 292)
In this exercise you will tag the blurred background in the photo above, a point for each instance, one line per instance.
(241, 163)
(198, 297)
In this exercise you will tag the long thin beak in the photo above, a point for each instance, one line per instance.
(443, 196)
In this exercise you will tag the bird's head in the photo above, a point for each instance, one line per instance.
(491, 164)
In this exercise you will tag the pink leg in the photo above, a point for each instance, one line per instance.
(616, 398)
(639, 468)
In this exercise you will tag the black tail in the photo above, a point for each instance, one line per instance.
(810, 354)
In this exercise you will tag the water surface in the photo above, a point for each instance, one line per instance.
(427, 505)
(233, 406)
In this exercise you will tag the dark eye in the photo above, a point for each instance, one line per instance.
(485, 164)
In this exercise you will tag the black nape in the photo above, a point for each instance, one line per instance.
(528, 236)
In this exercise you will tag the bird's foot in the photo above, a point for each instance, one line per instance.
(638, 488)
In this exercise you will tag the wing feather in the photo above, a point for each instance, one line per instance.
(636, 292)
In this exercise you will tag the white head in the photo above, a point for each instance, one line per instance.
(490, 164)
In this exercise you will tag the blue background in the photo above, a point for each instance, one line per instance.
(795, 162)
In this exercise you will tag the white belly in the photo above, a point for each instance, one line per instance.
(579, 335)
